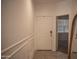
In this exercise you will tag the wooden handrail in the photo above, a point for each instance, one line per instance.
(71, 36)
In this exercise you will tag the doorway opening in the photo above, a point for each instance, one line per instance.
(62, 31)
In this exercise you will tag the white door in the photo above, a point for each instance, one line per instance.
(44, 37)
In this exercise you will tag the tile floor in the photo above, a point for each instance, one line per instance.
(49, 55)
(74, 55)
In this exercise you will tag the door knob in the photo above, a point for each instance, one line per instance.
(51, 33)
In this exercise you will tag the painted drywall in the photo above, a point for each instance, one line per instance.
(64, 8)
(45, 9)
(51, 8)
(16, 23)
(67, 7)
(72, 14)
(26, 52)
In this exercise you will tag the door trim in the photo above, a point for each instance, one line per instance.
(56, 30)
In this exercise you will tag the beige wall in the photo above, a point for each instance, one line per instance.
(17, 24)
(73, 13)
(64, 8)
(47, 9)
(68, 7)
(52, 8)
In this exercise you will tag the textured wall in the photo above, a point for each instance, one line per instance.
(16, 23)
(53, 9)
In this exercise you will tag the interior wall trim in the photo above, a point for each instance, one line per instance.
(10, 47)
(29, 37)
(14, 52)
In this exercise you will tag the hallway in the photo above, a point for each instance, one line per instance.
(29, 28)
